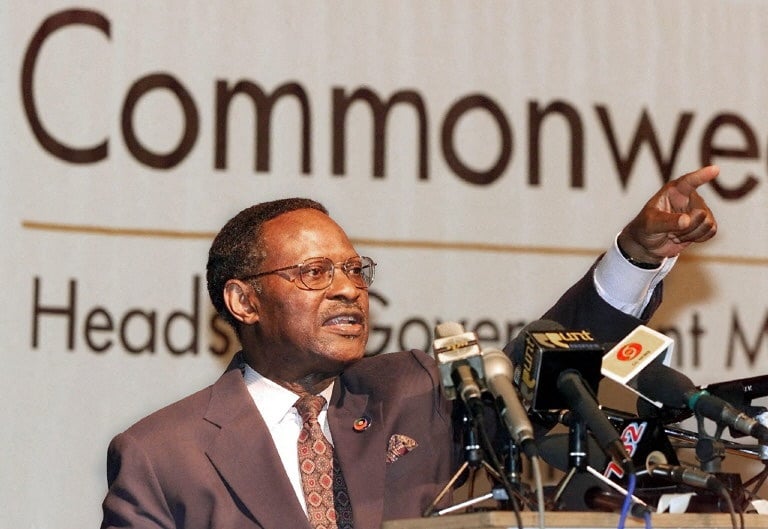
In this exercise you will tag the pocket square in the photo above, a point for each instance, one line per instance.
(399, 445)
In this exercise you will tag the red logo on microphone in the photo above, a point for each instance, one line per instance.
(629, 352)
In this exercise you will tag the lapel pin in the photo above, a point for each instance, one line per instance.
(361, 423)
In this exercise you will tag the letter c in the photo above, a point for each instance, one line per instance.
(48, 27)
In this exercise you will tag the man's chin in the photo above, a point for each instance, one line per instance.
(344, 353)
(349, 345)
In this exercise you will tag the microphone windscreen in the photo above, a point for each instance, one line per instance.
(496, 364)
(448, 328)
(664, 384)
(663, 415)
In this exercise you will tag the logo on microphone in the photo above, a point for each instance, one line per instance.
(563, 340)
(638, 349)
(629, 352)
(630, 438)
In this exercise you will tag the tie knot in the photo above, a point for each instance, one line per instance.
(309, 406)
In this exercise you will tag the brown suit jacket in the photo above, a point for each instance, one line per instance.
(208, 460)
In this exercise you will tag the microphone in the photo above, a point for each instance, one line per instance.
(631, 356)
(658, 382)
(582, 400)
(741, 391)
(541, 351)
(516, 348)
(561, 370)
(633, 353)
(460, 364)
(656, 464)
(498, 373)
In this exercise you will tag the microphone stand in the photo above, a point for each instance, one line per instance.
(581, 478)
(710, 452)
(474, 459)
(513, 464)
(758, 480)
(577, 459)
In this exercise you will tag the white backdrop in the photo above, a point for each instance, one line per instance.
(120, 158)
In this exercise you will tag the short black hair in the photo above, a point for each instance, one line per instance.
(237, 250)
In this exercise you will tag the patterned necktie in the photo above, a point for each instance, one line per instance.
(328, 505)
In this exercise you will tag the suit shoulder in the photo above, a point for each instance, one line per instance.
(172, 417)
(395, 371)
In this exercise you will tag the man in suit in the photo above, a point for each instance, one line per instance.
(288, 279)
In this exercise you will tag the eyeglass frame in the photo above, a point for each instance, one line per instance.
(341, 265)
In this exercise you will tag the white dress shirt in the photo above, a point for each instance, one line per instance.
(275, 404)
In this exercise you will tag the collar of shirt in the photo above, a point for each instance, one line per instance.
(275, 403)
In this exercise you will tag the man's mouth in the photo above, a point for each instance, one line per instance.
(347, 324)
(343, 320)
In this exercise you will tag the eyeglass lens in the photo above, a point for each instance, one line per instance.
(318, 273)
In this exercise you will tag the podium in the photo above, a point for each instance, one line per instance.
(572, 520)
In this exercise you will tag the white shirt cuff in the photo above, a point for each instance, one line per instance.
(623, 285)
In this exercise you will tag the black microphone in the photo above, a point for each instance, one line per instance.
(541, 351)
(583, 401)
(741, 391)
(516, 348)
(561, 370)
(658, 382)
(498, 374)
(461, 367)
(656, 464)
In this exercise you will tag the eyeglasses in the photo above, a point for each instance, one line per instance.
(316, 273)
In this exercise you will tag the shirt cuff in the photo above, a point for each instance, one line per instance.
(625, 286)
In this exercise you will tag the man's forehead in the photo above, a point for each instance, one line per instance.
(305, 230)
(299, 221)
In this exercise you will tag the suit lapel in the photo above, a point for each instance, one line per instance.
(245, 457)
(361, 453)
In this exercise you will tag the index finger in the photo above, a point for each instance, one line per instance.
(688, 183)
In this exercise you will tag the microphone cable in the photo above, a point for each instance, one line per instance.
(539, 485)
(626, 506)
(737, 524)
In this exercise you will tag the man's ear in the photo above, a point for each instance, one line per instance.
(238, 301)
